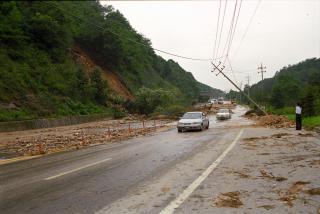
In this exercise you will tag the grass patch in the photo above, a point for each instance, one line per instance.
(311, 122)
(307, 122)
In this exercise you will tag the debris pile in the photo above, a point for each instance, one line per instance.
(45, 141)
(273, 121)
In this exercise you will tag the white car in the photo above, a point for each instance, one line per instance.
(193, 121)
(213, 101)
(223, 114)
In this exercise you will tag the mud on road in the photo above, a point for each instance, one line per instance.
(67, 138)
(269, 171)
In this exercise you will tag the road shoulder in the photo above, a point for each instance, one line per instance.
(270, 170)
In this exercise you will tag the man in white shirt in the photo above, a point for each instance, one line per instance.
(298, 116)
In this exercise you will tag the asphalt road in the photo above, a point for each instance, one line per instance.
(95, 179)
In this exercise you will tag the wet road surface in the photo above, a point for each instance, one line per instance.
(96, 179)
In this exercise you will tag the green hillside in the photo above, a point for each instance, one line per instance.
(40, 78)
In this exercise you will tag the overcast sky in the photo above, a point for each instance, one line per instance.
(281, 33)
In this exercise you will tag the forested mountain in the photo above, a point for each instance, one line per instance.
(40, 76)
(292, 84)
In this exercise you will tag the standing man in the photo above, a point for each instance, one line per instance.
(298, 116)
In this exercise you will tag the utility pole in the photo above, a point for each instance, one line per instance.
(248, 84)
(216, 67)
(262, 70)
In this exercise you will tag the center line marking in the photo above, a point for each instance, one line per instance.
(77, 169)
(193, 186)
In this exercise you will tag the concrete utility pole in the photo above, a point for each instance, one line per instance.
(248, 84)
(216, 67)
(262, 70)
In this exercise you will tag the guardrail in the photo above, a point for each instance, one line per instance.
(49, 122)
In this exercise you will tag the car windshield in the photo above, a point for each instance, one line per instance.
(192, 115)
(223, 111)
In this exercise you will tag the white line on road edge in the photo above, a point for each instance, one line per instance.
(77, 169)
(188, 191)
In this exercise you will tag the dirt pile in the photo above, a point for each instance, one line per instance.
(273, 121)
(228, 199)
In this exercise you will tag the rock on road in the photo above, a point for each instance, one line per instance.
(149, 174)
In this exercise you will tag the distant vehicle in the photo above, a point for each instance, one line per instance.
(213, 101)
(220, 100)
(223, 114)
(193, 121)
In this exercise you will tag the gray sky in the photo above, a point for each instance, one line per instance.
(281, 33)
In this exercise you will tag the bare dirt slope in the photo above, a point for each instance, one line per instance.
(114, 82)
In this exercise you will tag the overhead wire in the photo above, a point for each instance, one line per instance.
(217, 30)
(246, 30)
(221, 30)
(230, 29)
(131, 40)
(234, 29)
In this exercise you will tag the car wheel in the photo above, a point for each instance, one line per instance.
(207, 126)
(179, 130)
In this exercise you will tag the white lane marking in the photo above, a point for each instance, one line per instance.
(188, 191)
(77, 169)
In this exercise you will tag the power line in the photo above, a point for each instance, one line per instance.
(131, 40)
(215, 41)
(224, 13)
(234, 29)
(247, 28)
(231, 28)
(234, 76)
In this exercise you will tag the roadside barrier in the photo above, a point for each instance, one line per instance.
(49, 122)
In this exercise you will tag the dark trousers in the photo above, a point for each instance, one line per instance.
(298, 122)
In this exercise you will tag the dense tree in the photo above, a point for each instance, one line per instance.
(39, 74)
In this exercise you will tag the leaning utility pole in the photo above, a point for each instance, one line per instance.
(262, 70)
(216, 67)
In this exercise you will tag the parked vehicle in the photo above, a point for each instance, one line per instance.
(193, 121)
(223, 114)
(213, 101)
(220, 100)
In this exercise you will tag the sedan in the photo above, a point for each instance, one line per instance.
(223, 114)
(193, 121)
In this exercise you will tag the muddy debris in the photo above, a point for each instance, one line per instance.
(47, 141)
(273, 121)
(241, 173)
(314, 191)
(229, 199)
(306, 135)
(254, 138)
(269, 175)
(280, 135)
(267, 207)
(293, 192)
